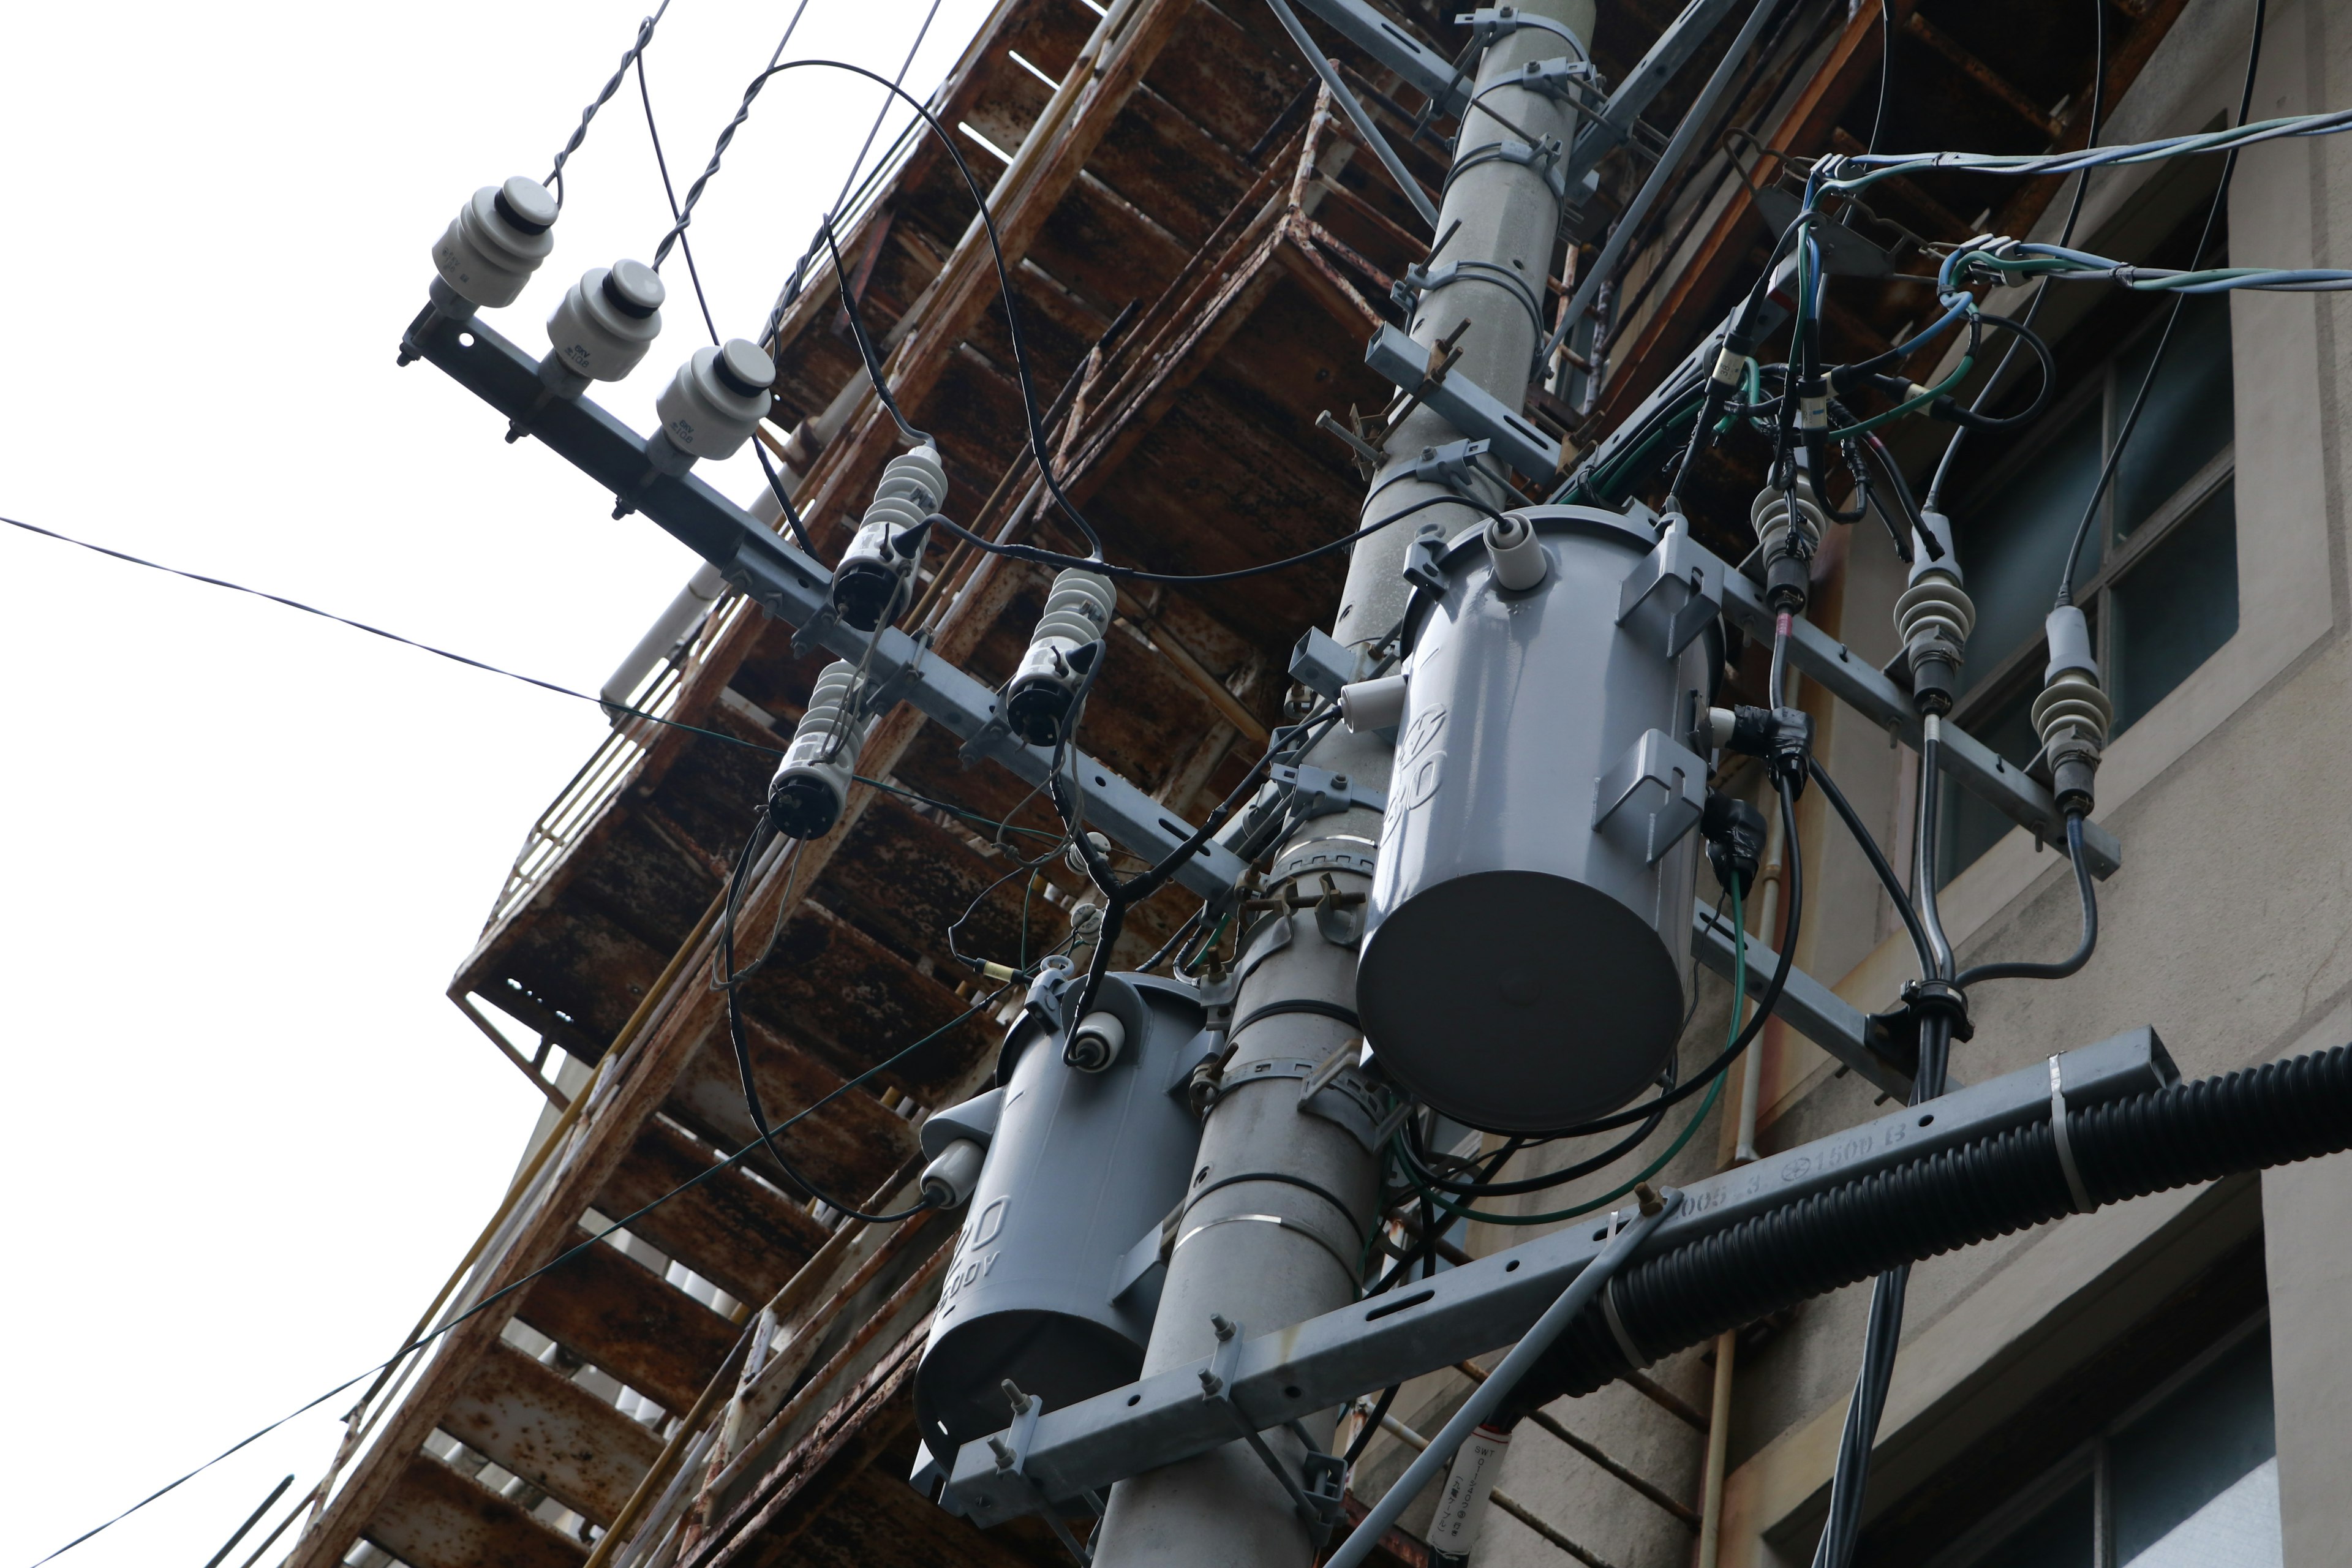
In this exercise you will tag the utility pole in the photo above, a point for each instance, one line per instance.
(1281, 1200)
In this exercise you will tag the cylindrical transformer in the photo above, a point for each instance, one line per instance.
(1526, 957)
(1055, 1277)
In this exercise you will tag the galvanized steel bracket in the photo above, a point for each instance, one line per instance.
(1319, 792)
(1672, 594)
(1680, 781)
(1463, 403)
(1455, 461)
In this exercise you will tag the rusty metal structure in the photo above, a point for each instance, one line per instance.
(1201, 248)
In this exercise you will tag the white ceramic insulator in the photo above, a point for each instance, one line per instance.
(1770, 515)
(604, 323)
(948, 1180)
(1372, 704)
(706, 410)
(1934, 605)
(496, 242)
(2072, 706)
(830, 734)
(1078, 608)
(1095, 1043)
(1517, 557)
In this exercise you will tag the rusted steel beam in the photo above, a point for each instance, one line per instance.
(626, 1319)
(1984, 75)
(432, 1517)
(465, 1001)
(1851, 60)
(730, 1230)
(534, 1421)
(768, 1517)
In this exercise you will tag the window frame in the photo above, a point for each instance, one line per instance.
(2019, 670)
(2093, 1457)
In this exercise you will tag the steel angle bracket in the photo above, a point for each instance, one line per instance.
(1806, 1006)
(1463, 403)
(1427, 71)
(1680, 779)
(1316, 1496)
(1614, 124)
(1492, 1301)
(786, 583)
(1855, 683)
(1672, 595)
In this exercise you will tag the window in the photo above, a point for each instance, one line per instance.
(2158, 572)
(2189, 1479)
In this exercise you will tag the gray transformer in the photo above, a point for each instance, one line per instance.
(1055, 1276)
(1526, 959)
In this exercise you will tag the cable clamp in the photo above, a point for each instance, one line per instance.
(1489, 23)
(2065, 1145)
(1543, 158)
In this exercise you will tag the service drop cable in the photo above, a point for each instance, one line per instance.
(978, 1007)
(633, 56)
(726, 135)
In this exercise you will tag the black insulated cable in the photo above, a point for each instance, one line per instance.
(1878, 863)
(2213, 215)
(2087, 890)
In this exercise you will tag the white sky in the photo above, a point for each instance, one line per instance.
(246, 849)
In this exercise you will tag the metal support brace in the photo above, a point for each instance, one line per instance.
(1492, 1301)
(793, 588)
(1860, 686)
(1806, 1006)
(1423, 69)
(1463, 403)
(1672, 50)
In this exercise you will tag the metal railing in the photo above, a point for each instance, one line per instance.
(608, 767)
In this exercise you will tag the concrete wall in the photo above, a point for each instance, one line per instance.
(2228, 928)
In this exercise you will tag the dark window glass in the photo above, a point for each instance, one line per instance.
(2196, 1480)
(2187, 417)
(2064, 1535)
(2172, 610)
(1970, 826)
(2010, 544)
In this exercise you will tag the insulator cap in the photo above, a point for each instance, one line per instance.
(496, 242)
(601, 327)
(705, 410)
(1062, 653)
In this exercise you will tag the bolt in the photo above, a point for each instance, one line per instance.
(1223, 1326)
(1003, 1452)
(1210, 1385)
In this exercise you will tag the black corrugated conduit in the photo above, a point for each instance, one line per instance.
(2271, 1115)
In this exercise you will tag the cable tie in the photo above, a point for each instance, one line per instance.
(2074, 1188)
(1625, 1345)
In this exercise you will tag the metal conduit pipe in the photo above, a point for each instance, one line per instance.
(2074, 1161)
(1287, 1197)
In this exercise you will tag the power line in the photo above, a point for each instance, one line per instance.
(553, 1264)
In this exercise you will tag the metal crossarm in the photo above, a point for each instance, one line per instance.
(792, 588)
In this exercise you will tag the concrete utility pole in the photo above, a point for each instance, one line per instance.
(1281, 1200)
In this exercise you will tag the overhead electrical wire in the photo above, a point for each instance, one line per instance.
(549, 1266)
(634, 55)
